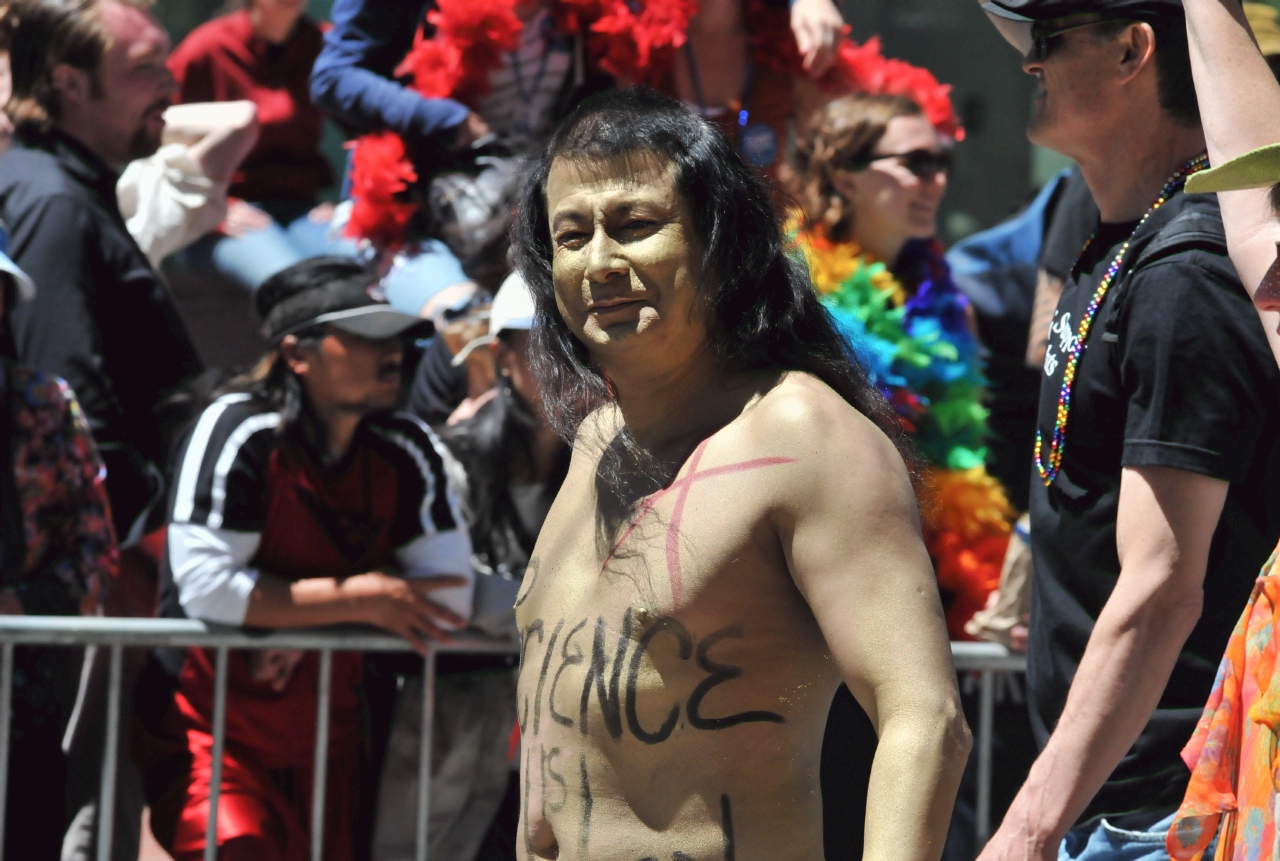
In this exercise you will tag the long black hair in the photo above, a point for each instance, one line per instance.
(764, 312)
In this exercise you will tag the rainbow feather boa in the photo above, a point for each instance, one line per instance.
(920, 352)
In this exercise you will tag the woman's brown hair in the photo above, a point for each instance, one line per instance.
(843, 135)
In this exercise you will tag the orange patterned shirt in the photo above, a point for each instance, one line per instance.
(1232, 755)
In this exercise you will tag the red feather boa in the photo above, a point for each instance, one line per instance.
(380, 172)
(471, 37)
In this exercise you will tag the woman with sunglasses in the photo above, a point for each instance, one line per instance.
(871, 175)
(869, 178)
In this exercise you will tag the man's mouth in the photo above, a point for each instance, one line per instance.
(606, 304)
(614, 307)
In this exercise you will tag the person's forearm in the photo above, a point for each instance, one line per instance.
(920, 757)
(352, 79)
(1123, 673)
(220, 153)
(364, 101)
(278, 603)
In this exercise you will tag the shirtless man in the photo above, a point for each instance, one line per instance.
(735, 537)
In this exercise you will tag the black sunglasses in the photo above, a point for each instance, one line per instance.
(1040, 37)
(926, 164)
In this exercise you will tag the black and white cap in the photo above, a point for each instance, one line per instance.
(351, 302)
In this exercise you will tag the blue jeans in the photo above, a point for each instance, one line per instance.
(1102, 841)
(253, 257)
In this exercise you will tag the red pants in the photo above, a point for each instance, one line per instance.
(263, 814)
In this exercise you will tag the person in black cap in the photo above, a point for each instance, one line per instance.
(1158, 439)
(299, 498)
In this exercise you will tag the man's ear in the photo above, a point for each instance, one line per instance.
(1138, 42)
(73, 85)
(293, 356)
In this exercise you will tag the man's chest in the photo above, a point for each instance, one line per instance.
(670, 624)
(319, 525)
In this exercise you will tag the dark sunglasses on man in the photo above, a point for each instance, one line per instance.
(1042, 36)
(925, 164)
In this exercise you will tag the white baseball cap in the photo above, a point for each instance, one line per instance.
(512, 309)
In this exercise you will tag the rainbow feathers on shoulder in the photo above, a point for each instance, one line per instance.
(919, 351)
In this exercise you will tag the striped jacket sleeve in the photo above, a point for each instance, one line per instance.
(216, 515)
(431, 535)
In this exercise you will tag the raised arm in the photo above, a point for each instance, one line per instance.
(1240, 111)
(851, 534)
(219, 134)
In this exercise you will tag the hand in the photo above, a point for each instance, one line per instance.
(274, 666)
(1018, 638)
(471, 130)
(817, 26)
(1013, 840)
(402, 606)
(244, 218)
(9, 603)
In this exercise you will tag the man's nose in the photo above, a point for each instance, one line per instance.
(1267, 297)
(603, 260)
(1031, 66)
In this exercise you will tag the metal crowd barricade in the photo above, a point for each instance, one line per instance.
(120, 633)
(987, 659)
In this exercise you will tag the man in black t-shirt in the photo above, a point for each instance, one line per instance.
(1158, 435)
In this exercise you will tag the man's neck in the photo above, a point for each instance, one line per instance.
(339, 429)
(273, 27)
(1126, 179)
(666, 411)
(84, 138)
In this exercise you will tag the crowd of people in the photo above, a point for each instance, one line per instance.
(630, 339)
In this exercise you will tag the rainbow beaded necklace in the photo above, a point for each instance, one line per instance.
(1048, 472)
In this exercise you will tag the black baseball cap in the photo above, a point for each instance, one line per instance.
(1047, 10)
(334, 291)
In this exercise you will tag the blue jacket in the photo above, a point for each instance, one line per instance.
(353, 79)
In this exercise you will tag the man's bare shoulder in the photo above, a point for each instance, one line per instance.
(804, 411)
(837, 447)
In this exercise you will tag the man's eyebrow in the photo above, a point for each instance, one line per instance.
(567, 217)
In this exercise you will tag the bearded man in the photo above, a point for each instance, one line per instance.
(737, 533)
(90, 88)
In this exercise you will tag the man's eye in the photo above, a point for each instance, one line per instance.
(638, 224)
(572, 239)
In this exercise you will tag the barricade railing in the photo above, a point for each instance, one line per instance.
(117, 634)
(986, 659)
